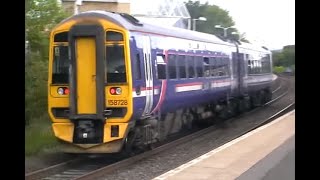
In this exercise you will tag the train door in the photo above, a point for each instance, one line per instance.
(87, 63)
(87, 102)
(244, 75)
(238, 73)
(241, 73)
(86, 72)
(148, 75)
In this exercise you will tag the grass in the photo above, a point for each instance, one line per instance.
(39, 136)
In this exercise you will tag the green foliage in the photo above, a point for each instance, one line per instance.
(215, 16)
(41, 17)
(36, 73)
(288, 55)
(277, 58)
(39, 136)
(284, 58)
(278, 69)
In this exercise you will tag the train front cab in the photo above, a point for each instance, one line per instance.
(89, 97)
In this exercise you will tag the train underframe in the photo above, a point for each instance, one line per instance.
(158, 128)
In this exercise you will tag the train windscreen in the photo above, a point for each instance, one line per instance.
(60, 69)
(115, 62)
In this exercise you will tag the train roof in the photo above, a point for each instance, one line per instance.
(132, 24)
(253, 47)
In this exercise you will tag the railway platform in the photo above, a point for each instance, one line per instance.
(265, 153)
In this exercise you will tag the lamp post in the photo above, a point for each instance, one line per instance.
(240, 36)
(77, 3)
(224, 29)
(194, 22)
(235, 33)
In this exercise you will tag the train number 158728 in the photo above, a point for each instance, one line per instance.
(118, 102)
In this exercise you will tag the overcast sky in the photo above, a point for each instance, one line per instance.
(271, 22)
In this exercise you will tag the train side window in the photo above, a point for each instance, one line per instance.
(206, 65)
(60, 65)
(265, 63)
(225, 67)
(199, 66)
(252, 67)
(211, 63)
(218, 66)
(256, 67)
(214, 67)
(138, 67)
(114, 36)
(190, 62)
(61, 37)
(268, 66)
(182, 66)
(161, 67)
(249, 64)
(172, 66)
(116, 69)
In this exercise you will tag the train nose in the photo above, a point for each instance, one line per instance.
(88, 132)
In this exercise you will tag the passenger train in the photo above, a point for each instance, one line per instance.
(117, 84)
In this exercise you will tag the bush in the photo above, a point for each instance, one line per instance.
(36, 75)
(278, 69)
(39, 136)
(38, 131)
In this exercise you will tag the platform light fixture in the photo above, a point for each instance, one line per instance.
(224, 29)
(194, 22)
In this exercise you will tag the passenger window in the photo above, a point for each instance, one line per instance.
(61, 37)
(249, 67)
(190, 62)
(116, 69)
(225, 66)
(114, 36)
(60, 65)
(199, 66)
(267, 66)
(215, 67)
(161, 67)
(182, 66)
(206, 65)
(172, 67)
(138, 67)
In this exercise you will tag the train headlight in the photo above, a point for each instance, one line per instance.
(63, 91)
(115, 91)
(60, 91)
(118, 90)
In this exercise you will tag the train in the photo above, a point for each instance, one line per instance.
(117, 84)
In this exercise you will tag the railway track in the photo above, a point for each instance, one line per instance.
(94, 167)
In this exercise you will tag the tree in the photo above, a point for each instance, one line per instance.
(215, 16)
(277, 58)
(41, 16)
(285, 58)
(288, 55)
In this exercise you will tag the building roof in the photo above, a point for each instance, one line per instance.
(159, 8)
(132, 24)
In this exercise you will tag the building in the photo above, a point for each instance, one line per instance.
(163, 12)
